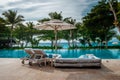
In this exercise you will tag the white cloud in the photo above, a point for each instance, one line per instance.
(4, 2)
(33, 10)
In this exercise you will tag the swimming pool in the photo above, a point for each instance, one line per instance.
(65, 53)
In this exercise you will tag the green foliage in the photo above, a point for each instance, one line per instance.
(25, 33)
(99, 22)
(118, 37)
(70, 20)
(48, 47)
(118, 13)
(4, 31)
(34, 42)
(49, 35)
(12, 18)
(70, 34)
(19, 32)
(55, 15)
(96, 24)
(96, 47)
(43, 20)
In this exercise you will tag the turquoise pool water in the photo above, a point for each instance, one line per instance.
(101, 53)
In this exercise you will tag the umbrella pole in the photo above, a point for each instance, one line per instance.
(55, 41)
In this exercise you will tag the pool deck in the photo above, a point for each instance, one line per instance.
(12, 69)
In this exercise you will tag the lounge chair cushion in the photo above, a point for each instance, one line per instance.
(78, 62)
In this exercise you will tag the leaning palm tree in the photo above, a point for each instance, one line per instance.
(116, 22)
(12, 19)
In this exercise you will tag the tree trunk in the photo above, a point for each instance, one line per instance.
(52, 43)
(26, 44)
(89, 43)
(11, 36)
(116, 23)
(69, 43)
(106, 44)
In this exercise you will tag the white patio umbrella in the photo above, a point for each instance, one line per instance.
(55, 25)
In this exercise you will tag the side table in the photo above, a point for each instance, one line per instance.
(51, 60)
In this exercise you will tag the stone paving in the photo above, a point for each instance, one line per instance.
(12, 69)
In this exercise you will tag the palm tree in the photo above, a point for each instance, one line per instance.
(12, 19)
(55, 15)
(30, 32)
(43, 20)
(4, 31)
(18, 33)
(52, 15)
(116, 22)
(118, 37)
(71, 36)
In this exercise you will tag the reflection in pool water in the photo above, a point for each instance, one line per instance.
(65, 53)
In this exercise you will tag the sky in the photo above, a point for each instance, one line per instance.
(34, 10)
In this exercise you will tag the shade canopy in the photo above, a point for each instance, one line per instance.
(55, 25)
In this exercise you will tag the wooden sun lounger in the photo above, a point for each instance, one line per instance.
(34, 57)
